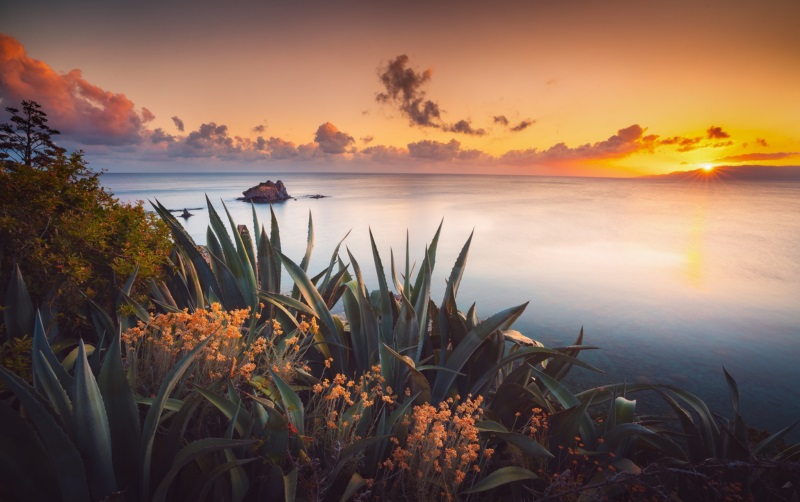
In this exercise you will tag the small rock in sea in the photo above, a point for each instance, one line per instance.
(267, 192)
(186, 213)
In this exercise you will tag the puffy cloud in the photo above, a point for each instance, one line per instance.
(761, 142)
(178, 123)
(715, 132)
(332, 140)
(259, 129)
(521, 126)
(160, 136)
(281, 149)
(464, 127)
(626, 142)
(434, 150)
(383, 153)
(80, 110)
(367, 139)
(404, 87)
(745, 157)
(683, 144)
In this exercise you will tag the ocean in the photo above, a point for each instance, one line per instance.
(672, 280)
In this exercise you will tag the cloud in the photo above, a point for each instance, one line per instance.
(761, 142)
(715, 132)
(745, 157)
(160, 136)
(500, 119)
(626, 142)
(434, 150)
(523, 125)
(367, 139)
(259, 129)
(464, 127)
(80, 110)
(383, 153)
(178, 123)
(404, 87)
(332, 140)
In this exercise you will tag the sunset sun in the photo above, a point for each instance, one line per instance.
(707, 167)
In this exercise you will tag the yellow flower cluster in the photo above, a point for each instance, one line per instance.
(338, 405)
(441, 448)
(155, 347)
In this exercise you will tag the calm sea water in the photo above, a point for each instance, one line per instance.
(672, 280)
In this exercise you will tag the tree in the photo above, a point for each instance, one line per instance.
(27, 139)
(71, 238)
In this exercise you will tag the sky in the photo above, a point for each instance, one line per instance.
(577, 88)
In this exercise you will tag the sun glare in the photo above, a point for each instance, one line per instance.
(707, 167)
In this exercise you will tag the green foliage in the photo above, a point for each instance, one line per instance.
(72, 239)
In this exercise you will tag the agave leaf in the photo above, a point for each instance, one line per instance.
(407, 276)
(369, 324)
(52, 380)
(334, 257)
(525, 353)
(26, 472)
(385, 308)
(419, 384)
(232, 297)
(123, 415)
(248, 282)
(232, 258)
(315, 301)
(289, 302)
(243, 422)
(790, 454)
(406, 330)
(710, 430)
(501, 477)
(91, 430)
(558, 369)
(154, 414)
(765, 445)
(467, 347)
(355, 484)
(307, 256)
(421, 306)
(19, 317)
(578, 419)
(739, 429)
(69, 361)
(291, 403)
(212, 475)
(430, 254)
(490, 426)
(449, 307)
(190, 453)
(202, 269)
(624, 410)
(358, 340)
(70, 473)
(141, 312)
(290, 485)
(354, 449)
(524, 443)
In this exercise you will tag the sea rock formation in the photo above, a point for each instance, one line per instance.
(267, 192)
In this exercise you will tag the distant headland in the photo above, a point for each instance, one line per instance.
(735, 173)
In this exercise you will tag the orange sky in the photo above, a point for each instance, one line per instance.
(591, 88)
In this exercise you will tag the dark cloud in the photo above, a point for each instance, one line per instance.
(83, 112)
(259, 129)
(178, 123)
(332, 140)
(683, 144)
(745, 157)
(464, 127)
(367, 139)
(147, 115)
(404, 87)
(523, 125)
(500, 119)
(715, 132)
(434, 150)
(280, 149)
(761, 142)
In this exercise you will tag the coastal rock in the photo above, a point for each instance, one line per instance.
(267, 192)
